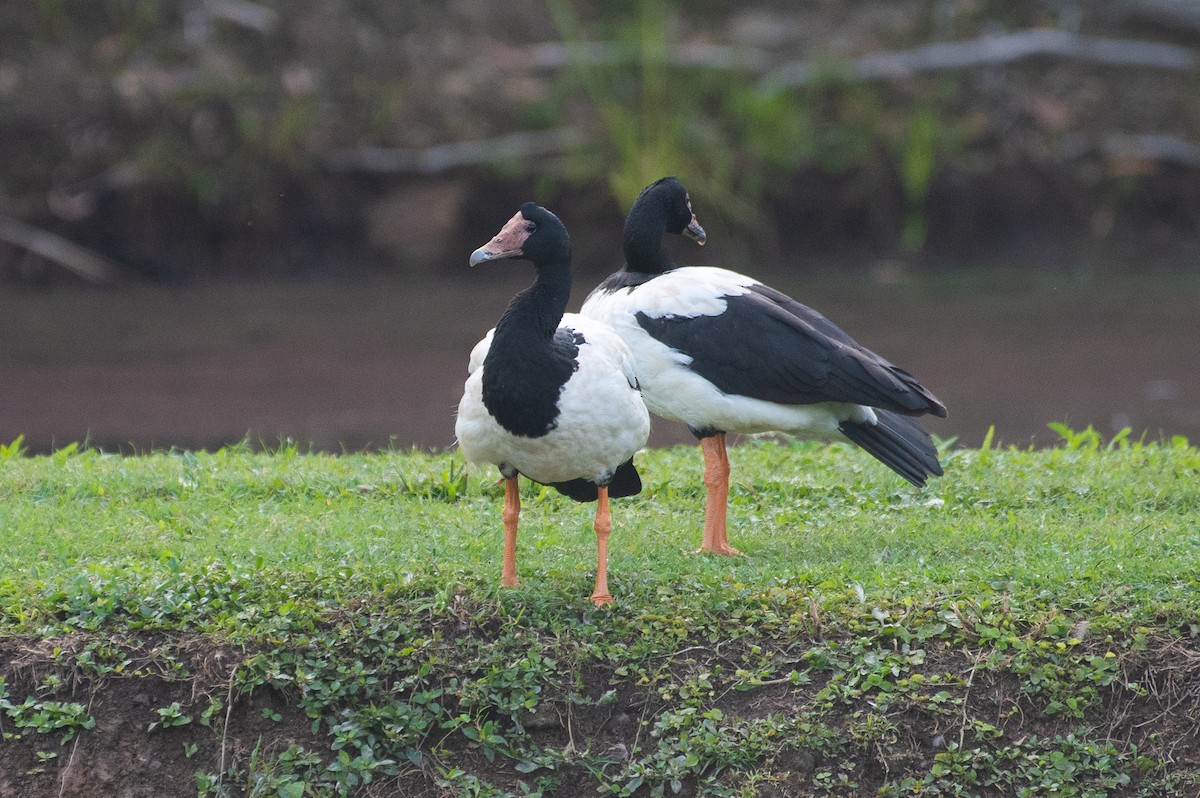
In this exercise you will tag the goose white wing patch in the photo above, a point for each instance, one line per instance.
(479, 352)
(689, 291)
(606, 342)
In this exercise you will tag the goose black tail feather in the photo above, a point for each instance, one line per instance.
(625, 482)
(898, 442)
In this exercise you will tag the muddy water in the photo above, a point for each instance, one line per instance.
(352, 365)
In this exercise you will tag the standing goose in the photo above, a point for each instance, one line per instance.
(549, 395)
(721, 352)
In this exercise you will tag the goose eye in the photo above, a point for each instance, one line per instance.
(530, 227)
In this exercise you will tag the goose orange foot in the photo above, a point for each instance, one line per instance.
(724, 550)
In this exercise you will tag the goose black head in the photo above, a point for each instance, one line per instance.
(533, 234)
(668, 200)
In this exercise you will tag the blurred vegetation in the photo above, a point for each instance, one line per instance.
(223, 127)
(740, 141)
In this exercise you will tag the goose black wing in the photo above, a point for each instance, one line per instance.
(766, 345)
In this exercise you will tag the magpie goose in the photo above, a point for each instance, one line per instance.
(721, 352)
(551, 396)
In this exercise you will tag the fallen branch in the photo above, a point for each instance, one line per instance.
(991, 50)
(198, 21)
(93, 267)
(444, 157)
(254, 16)
(555, 55)
(996, 50)
(1157, 147)
(225, 725)
(1168, 13)
(1161, 147)
(988, 50)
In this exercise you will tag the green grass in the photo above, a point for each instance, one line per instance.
(1011, 612)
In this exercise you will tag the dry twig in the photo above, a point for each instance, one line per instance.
(444, 157)
(89, 265)
(997, 50)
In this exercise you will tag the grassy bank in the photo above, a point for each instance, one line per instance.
(241, 623)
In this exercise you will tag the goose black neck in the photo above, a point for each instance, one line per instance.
(526, 367)
(643, 243)
(534, 314)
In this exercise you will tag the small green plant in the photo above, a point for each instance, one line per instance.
(210, 785)
(485, 734)
(44, 717)
(448, 485)
(352, 771)
(1086, 439)
(467, 785)
(13, 450)
(213, 710)
(918, 164)
(291, 773)
(170, 717)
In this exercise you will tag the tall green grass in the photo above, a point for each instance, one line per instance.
(1082, 522)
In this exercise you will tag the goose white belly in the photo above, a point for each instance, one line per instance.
(602, 420)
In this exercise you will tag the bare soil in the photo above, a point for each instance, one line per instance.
(120, 757)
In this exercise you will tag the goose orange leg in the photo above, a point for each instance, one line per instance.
(716, 481)
(600, 596)
(511, 515)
